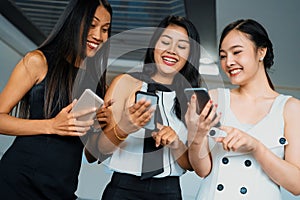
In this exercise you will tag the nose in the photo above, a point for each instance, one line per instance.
(172, 49)
(230, 60)
(98, 35)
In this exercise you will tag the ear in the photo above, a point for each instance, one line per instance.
(262, 53)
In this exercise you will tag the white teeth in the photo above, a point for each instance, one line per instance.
(92, 44)
(169, 59)
(235, 71)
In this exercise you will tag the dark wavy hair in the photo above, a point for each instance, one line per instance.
(188, 76)
(65, 47)
(258, 35)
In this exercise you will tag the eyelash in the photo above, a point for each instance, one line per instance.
(179, 46)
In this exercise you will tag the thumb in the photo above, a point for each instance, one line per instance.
(69, 107)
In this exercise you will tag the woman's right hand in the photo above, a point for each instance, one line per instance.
(65, 123)
(136, 116)
(199, 125)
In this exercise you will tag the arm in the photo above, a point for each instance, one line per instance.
(127, 116)
(31, 70)
(285, 172)
(198, 126)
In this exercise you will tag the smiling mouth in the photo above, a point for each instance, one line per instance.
(234, 71)
(169, 61)
(92, 45)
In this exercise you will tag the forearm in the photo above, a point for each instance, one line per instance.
(280, 171)
(181, 156)
(10, 125)
(91, 151)
(110, 139)
(200, 157)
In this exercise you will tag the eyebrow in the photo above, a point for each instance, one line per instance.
(172, 38)
(233, 47)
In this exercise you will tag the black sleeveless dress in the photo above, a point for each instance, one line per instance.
(42, 166)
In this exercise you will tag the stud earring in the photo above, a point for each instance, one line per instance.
(261, 59)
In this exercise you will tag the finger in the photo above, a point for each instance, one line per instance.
(78, 123)
(206, 109)
(159, 126)
(168, 138)
(227, 129)
(144, 107)
(136, 106)
(232, 143)
(108, 103)
(83, 112)
(69, 107)
(193, 103)
(212, 113)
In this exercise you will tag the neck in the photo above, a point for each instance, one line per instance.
(163, 80)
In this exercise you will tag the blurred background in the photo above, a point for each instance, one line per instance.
(24, 24)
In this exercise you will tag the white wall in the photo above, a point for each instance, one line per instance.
(282, 21)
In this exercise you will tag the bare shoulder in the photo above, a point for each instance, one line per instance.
(36, 64)
(122, 86)
(292, 107)
(125, 81)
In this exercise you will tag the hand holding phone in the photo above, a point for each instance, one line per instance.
(153, 98)
(87, 100)
(202, 99)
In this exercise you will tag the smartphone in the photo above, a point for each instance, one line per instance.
(153, 98)
(202, 99)
(87, 100)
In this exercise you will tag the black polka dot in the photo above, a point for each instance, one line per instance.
(248, 163)
(282, 140)
(243, 190)
(220, 187)
(225, 161)
(212, 132)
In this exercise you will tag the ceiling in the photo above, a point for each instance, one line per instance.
(36, 19)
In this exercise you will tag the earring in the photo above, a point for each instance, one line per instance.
(261, 59)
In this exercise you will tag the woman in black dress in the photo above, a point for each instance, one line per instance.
(44, 160)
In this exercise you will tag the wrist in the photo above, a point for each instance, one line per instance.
(119, 133)
(197, 140)
(48, 126)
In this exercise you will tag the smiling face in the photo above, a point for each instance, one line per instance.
(98, 32)
(239, 58)
(171, 52)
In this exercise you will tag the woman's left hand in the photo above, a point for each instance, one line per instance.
(104, 115)
(237, 140)
(166, 136)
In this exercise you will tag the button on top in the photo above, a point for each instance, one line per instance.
(220, 187)
(248, 163)
(225, 161)
(212, 132)
(282, 140)
(243, 190)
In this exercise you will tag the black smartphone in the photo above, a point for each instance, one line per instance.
(153, 98)
(202, 99)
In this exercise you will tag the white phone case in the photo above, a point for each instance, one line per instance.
(86, 101)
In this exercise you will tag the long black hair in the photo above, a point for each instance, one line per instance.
(65, 47)
(258, 35)
(188, 76)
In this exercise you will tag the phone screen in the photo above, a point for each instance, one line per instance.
(154, 101)
(202, 99)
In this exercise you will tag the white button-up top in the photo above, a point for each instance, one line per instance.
(128, 157)
(237, 176)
